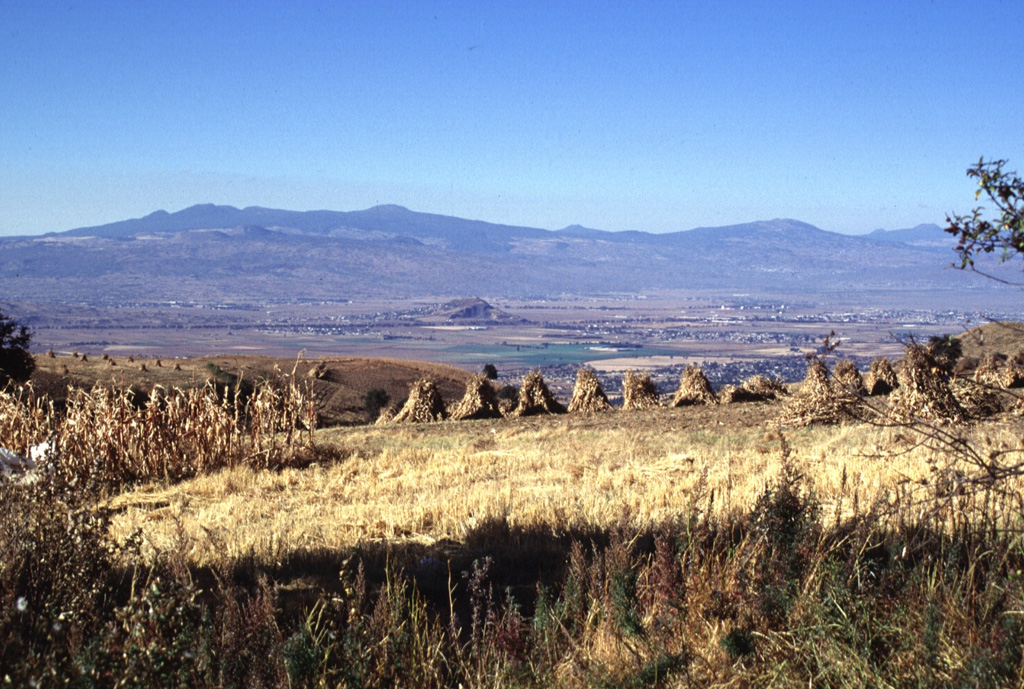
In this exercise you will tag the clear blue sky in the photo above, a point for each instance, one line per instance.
(649, 116)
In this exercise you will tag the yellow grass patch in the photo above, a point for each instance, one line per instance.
(432, 483)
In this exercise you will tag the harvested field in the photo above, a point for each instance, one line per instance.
(438, 555)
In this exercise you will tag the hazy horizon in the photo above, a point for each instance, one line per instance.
(654, 117)
(484, 220)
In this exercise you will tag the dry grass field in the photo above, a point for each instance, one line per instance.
(434, 483)
(704, 545)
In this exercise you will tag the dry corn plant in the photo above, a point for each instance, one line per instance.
(110, 436)
(847, 375)
(424, 404)
(535, 398)
(277, 410)
(479, 402)
(26, 418)
(588, 395)
(881, 379)
(819, 400)
(180, 433)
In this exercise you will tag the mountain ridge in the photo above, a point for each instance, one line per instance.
(258, 254)
(400, 220)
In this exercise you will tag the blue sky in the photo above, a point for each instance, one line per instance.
(646, 116)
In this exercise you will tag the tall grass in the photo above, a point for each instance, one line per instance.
(782, 595)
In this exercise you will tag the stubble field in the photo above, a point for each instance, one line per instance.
(696, 546)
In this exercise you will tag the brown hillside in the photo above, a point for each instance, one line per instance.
(997, 337)
(339, 384)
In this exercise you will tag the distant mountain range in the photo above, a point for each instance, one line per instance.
(392, 220)
(214, 253)
(921, 235)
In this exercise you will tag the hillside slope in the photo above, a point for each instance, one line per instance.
(339, 385)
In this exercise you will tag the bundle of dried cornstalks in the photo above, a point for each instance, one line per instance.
(988, 372)
(588, 395)
(923, 391)
(732, 394)
(767, 388)
(639, 391)
(694, 388)
(847, 376)
(819, 400)
(424, 404)
(977, 399)
(479, 402)
(386, 416)
(535, 398)
(757, 388)
(1013, 374)
(1000, 373)
(882, 379)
